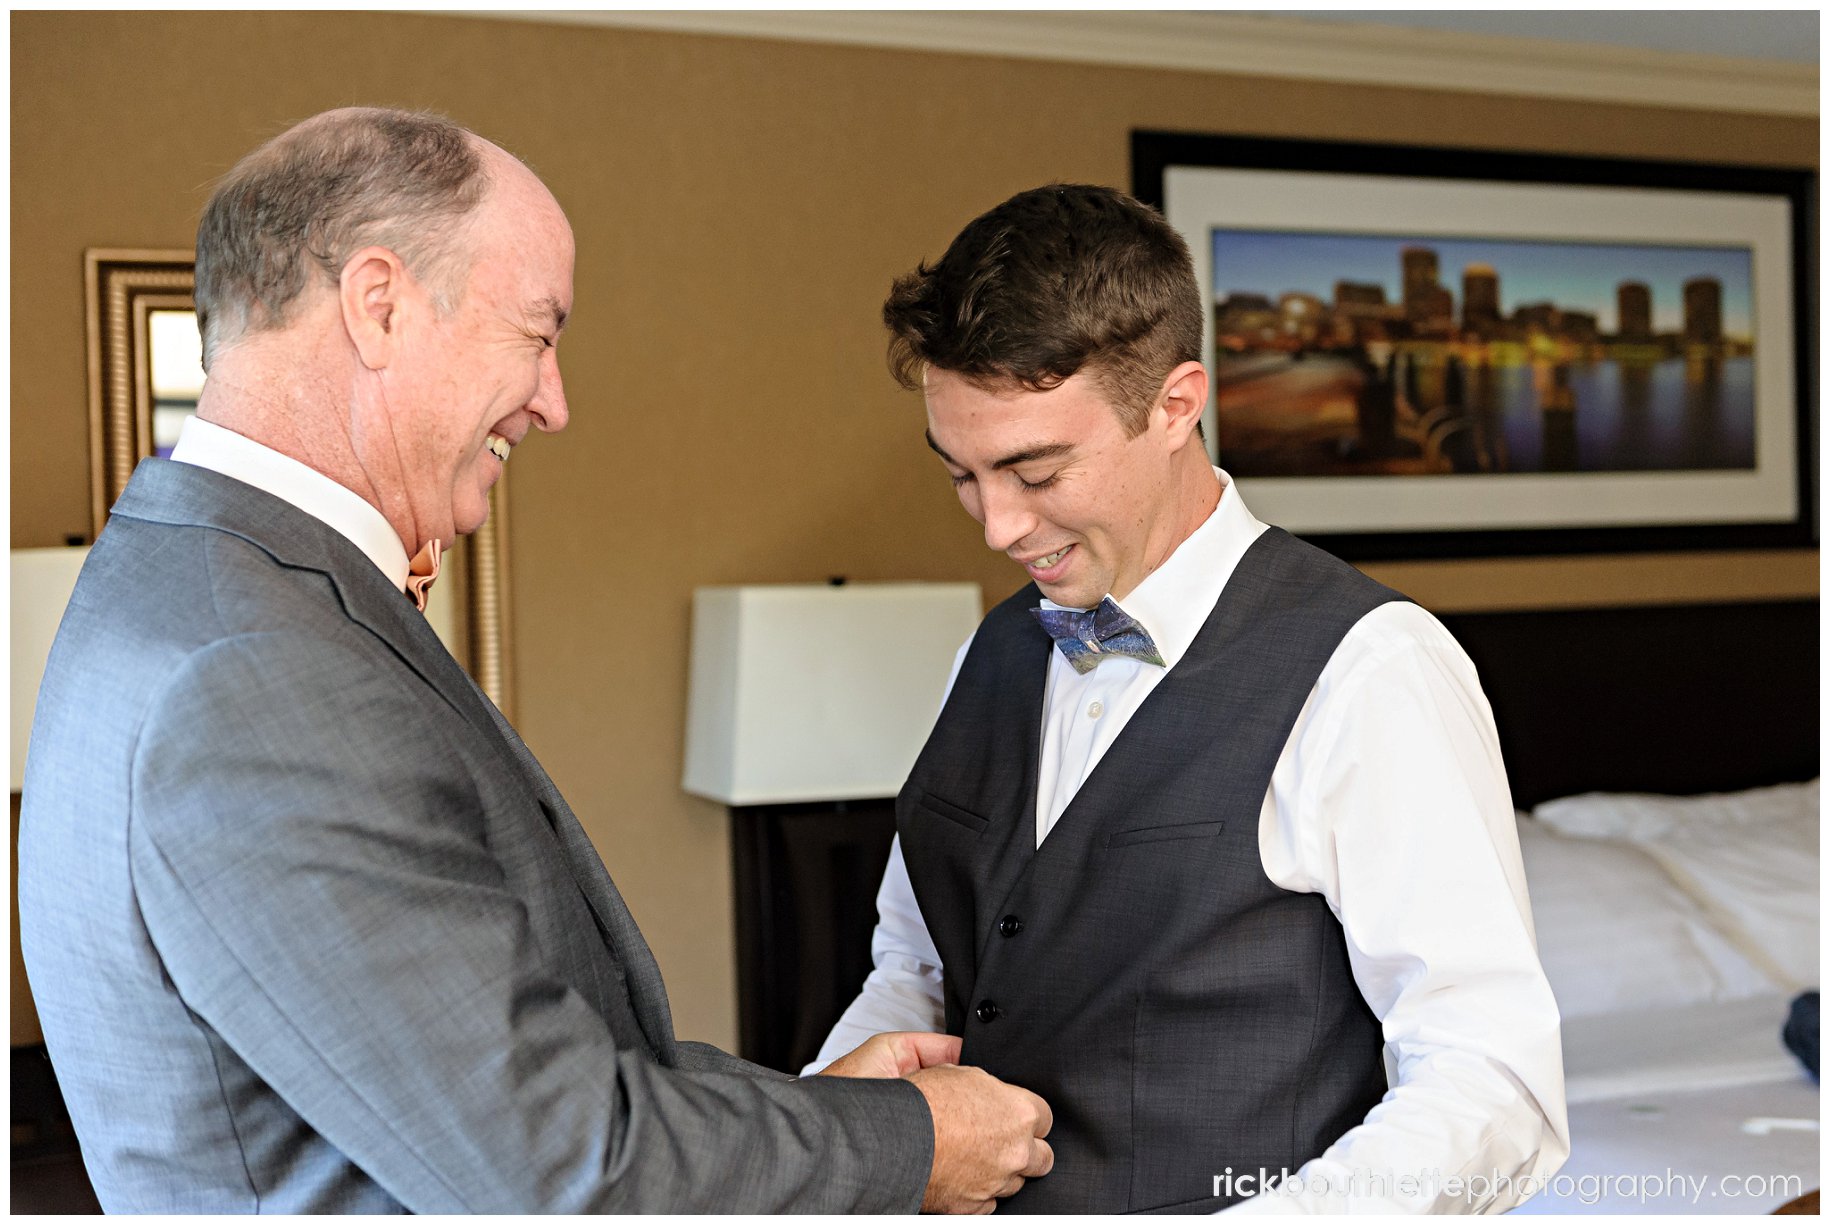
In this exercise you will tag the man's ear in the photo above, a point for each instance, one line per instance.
(371, 293)
(1184, 399)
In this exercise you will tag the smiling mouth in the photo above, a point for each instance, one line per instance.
(499, 447)
(1042, 565)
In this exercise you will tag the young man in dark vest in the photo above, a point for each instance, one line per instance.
(1212, 845)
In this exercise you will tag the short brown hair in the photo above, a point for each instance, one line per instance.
(318, 193)
(1053, 281)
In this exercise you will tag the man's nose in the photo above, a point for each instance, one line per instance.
(1006, 520)
(549, 402)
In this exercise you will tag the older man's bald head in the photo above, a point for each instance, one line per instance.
(323, 190)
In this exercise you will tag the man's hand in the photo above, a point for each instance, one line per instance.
(892, 1056)
(988, 1138)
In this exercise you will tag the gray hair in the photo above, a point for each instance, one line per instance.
(323, 190)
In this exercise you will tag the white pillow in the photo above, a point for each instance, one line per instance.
(1617, 934)
(1749, 859)
(1637, 816)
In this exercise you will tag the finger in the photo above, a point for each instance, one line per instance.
(1045, 1117)
(985, 1209)
(932, 1049)
(1010, 1188)
(899, 1055)
(876, 1056)
(1041, 1159)
(839, 1067)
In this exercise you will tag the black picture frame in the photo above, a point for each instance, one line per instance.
(1154, 154)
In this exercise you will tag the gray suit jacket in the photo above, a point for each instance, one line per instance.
(310, 930)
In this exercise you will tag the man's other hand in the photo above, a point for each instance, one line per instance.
(988, 1138)
(893, 1056)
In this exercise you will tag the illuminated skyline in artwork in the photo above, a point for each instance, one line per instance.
(1574, 276)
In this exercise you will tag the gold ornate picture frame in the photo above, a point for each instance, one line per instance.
(123, 289)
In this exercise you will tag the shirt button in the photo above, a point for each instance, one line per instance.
(1009, 925)
(1095, 710)
(988, 1012)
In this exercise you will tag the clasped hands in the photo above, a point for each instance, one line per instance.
(988, 1136)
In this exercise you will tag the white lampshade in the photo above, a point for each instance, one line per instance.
(818, 692)
(42, 582)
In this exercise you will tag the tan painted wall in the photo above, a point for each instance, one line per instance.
(740, 207)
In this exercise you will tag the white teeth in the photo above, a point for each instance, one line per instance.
(1043, 563)
(498, 446)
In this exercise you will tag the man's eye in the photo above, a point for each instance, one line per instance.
(1044, 483)
(959, 480)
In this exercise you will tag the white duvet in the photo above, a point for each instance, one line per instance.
(1689, 1110)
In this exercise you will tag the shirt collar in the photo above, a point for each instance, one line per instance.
(1174, 600)
(206, 445)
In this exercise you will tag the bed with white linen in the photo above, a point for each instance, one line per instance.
(1675, 933)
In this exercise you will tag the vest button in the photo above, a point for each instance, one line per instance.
(988, 1012)
(1009, 925)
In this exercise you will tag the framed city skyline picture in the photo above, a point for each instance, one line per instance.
(1436, 352)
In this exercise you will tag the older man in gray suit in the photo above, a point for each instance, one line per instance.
(308, 927)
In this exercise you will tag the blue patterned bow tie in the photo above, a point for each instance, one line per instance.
(1087, 637)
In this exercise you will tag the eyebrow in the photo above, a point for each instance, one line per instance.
(552, 310)
(1042, 450)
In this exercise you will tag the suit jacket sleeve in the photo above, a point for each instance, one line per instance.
(313, 868)
(703, 1057)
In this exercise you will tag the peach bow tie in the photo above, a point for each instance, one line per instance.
(422, 571)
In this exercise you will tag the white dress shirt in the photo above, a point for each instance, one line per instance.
(206, 445)
(1390, 800)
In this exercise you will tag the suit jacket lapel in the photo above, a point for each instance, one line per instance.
(165, 492)
(1022, 672)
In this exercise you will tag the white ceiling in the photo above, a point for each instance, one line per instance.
(1761, 62)
(1771, 35)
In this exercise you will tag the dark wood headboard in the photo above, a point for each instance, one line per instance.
(1678, 700)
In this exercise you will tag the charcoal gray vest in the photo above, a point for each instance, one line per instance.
(1179, 1012)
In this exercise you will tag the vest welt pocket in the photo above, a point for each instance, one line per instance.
(1164, 833)
(952, 812)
